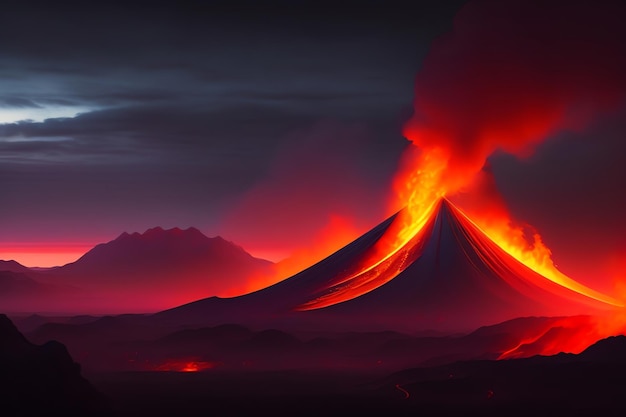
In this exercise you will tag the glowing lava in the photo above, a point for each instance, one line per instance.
(536, 257)
(184, 365)
(563, 334)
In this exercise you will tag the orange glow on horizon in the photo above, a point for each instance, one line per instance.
(43, 255)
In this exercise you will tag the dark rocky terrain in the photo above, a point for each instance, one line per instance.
(43, 380)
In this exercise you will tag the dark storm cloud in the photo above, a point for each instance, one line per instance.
(184, 106)
(238, 93)
(260, 100)
(251, 128)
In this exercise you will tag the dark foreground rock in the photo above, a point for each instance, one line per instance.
(42, 380)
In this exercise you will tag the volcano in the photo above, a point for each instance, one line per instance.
(448, 276)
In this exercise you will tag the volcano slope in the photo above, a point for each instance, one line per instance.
(449, 276)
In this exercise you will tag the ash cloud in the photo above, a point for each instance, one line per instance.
(514, 73)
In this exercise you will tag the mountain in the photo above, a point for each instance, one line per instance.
(611, 349)
(159, 268)
(12, 266)
(16, 283)
(22, 291)
(450, 276)
(42, 380)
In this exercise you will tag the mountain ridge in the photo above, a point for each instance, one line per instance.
(43, 379)
(12, 266)
(145, 272)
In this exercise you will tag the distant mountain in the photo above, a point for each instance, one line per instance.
(157, 249)
(12, 266)
(17, 283)
(42, 380)
(160, 268)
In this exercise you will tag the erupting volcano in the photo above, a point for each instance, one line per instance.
(446, 230)
(448, 275)
(451, 257)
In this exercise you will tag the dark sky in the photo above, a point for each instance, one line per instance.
(185, 107)
(258, 121)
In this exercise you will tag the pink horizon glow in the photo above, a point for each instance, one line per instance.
(43, 254)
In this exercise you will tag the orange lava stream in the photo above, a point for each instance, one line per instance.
(538, 257)
(390, 243)
(381, 264)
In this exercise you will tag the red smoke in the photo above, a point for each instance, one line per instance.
(315, 199)
(337, 233)
(511, 73)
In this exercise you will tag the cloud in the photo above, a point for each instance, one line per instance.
(513, 73)
(189, 105)
(18, 102)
